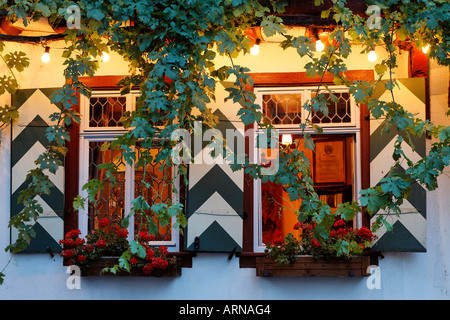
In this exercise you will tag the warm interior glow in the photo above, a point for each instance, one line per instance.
(426, 48)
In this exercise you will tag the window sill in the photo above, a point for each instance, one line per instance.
(308, 266)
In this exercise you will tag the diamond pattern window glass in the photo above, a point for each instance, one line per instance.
(284, 107)
(110, 199)
(338, 112)
(106, 111)
(153, 182)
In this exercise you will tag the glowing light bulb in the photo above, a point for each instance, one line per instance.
(372, 56)
(319, 46)
(46, 56)
(255, 49)
(105, 56)
(426, 48)
(286, 139)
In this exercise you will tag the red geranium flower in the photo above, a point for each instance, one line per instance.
(150, 254)
(88, 248)
(104, 222)
(339, 233)
(122, 233)
(145, 236)
(163, 250)
(100, 243)
(72, 234)
(148, 268)
(315, 243)
(339, 223)
(67, 253)
(81, 258)
(278, 240)
(160, 263)
(67, 243)
(133, 260)
(365, 233)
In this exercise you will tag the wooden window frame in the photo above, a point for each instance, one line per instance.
(248, 256)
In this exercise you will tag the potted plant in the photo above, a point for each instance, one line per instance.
(108, 251)
(337, 251)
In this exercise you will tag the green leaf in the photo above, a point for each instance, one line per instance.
(17, 60)
(271, 25)
(97, 14)
(124, 260)
(78, 203)
(395, 185)
(387, 225)
(137, 249)
(348, 211)
(8, 84)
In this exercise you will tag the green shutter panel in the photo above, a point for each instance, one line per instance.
(409, 233)
(214, 208)
(28, 141)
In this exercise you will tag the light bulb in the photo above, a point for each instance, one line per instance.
(372, 56)
(255, 49)
(46, 56)
(286, 139)
(319, 46)
(426, 48)
(105, 56)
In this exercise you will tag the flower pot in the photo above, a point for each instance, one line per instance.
(96, 267)
(309, 266)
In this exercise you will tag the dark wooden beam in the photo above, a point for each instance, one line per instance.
(31, 39)
(307, 20)
(304, 13)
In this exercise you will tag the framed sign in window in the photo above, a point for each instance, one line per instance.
(329, 164)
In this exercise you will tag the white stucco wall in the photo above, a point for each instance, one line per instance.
(213, 276)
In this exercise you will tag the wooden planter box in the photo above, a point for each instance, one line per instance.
(95, 268)
(308, 266)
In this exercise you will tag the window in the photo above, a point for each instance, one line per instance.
(336, 161)
(282, 107)
(101, 114)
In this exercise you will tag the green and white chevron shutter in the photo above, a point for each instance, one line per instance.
(214, 209)
(409, 233)
(28, 142)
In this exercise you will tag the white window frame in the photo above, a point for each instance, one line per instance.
(349, 128)
(306, 93)
(96, 134)
(84, 109)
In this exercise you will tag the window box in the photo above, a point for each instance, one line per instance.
(95, 269)
(309, 266)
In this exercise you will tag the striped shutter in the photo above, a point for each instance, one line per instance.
(28, 142)
(409, 233)
(214, 208)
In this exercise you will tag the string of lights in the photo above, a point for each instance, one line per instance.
(319, 38)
